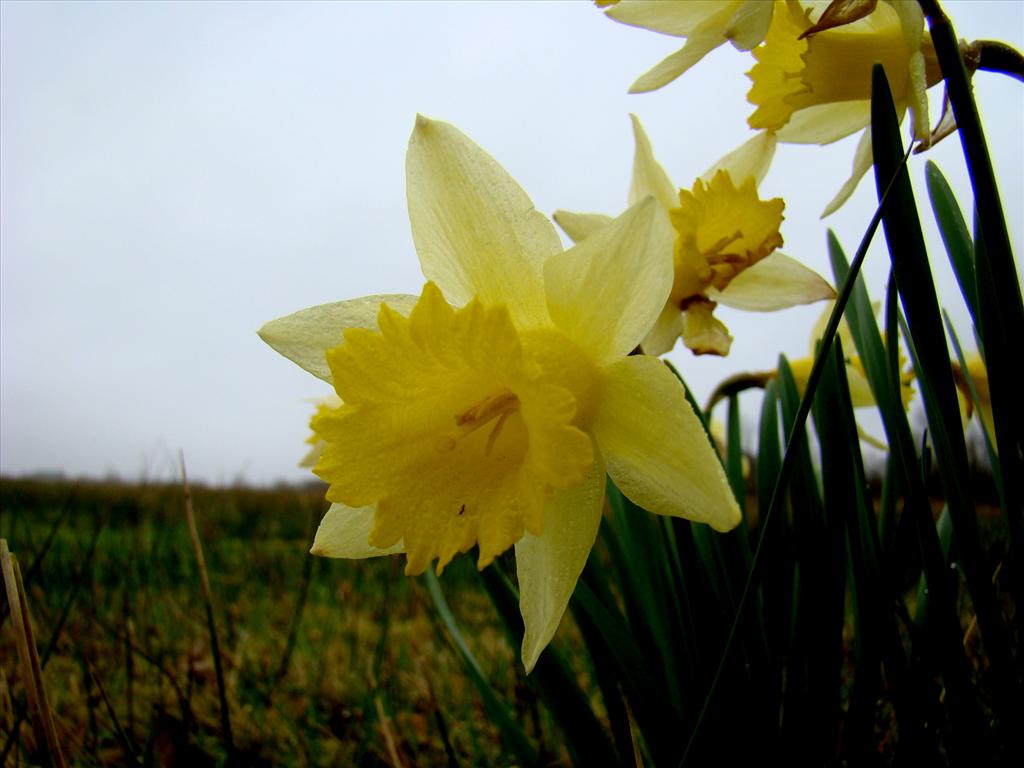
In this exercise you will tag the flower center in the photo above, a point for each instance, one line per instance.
(496, 408)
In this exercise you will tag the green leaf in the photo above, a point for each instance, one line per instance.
(512, 735)
(955, 235)
(585, 737)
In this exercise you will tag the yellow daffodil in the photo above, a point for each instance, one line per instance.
(721, 239)
(317, 443)
(486, 411)
(706, 24)
(814, 87)
(860, 389)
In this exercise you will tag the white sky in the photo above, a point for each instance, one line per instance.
(176, 174)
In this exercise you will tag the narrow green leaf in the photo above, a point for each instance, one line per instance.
(955, 235)
(512, 735)
(557, 684)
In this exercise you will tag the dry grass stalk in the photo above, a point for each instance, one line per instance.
(42, 720)
(204, 581)
(389, 737)
(126, 743)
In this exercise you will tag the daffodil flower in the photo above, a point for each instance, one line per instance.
(722, 240)
(861, 395)
(816, 88)
(982, 407)
(314, 441)
(706, 24)
(486, 411)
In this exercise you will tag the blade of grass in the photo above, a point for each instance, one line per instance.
(122, 736)
(40, 554)
(211, 624)
(846, 500)
(955, 236)
(512, 735)
(586, 738)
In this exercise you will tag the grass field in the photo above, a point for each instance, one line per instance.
(326, 662)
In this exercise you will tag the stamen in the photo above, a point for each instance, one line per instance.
(499, 406)
(495, 432)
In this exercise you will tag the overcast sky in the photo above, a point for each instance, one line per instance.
(176, 174)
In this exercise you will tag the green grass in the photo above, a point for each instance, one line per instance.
(372, 674)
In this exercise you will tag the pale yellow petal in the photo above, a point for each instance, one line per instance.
(860, 390)
(818, 330)
(344, 532)
(304, 336)
(549, 565)
(749, 25)
(703, 333)
(678, 18)
(655, 448)
(667, 328)
(862, 162)
(580, 226)
(825, 123)
(912, 26)
(751, 160)
(606, 292)
(776, 282)
(476, 232)
(668, 69)
(649, 178)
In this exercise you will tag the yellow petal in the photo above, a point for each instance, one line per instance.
(751, 160)
(344, 532)
(698, 45)
(580, 226)
(860, 390)
(862, 162)
(649, 178)
(776, 80)
(818, 330)
(776, 282)
(453, 432)
(918, 44)
(749, 25)
(476, 232)
(606, 292)
(667, 328)
(655, 448)
(678, 18)
(304, 336)
(825, 123)
(703, 333)
(549, 565)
